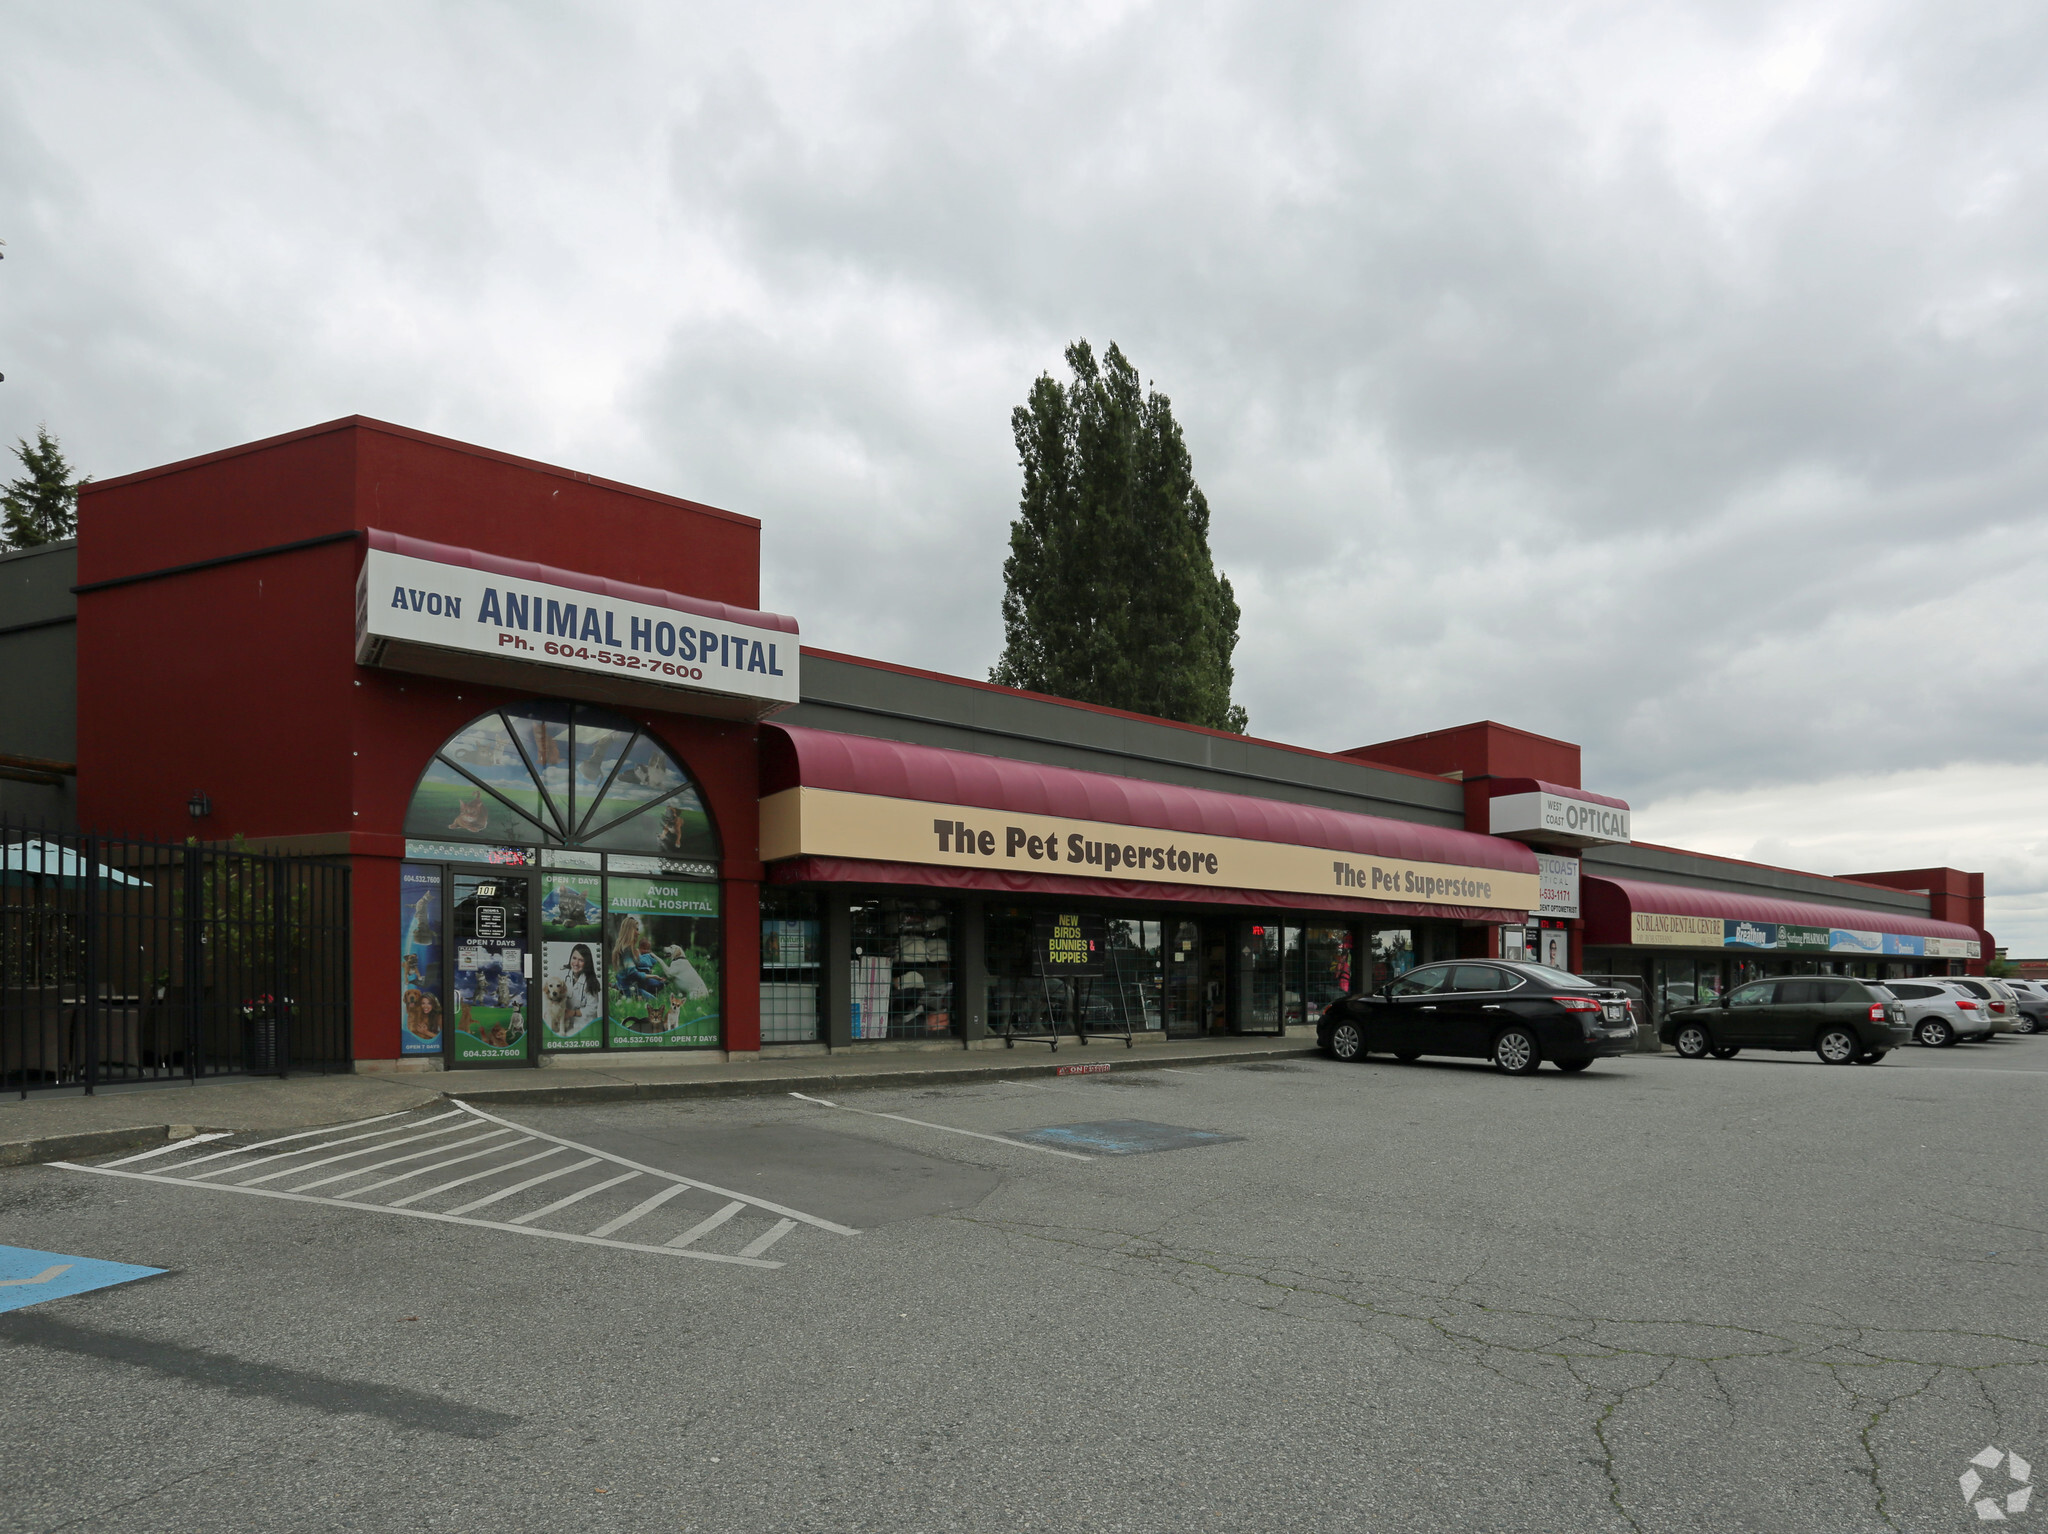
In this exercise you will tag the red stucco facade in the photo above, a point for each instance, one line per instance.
(238, 680)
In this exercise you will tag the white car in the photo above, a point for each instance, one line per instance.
(1940, 1011)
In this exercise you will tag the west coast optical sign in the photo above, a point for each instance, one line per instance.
(1656, 930)
(1542, 817)
(820, 822)
(406, 605)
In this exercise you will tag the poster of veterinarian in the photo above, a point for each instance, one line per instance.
(661, 956)
(419, 959)
(572, 973)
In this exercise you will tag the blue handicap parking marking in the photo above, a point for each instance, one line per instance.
(1121, 1137)
(28, 1277)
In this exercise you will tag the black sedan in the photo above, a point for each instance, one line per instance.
(1516, 1015)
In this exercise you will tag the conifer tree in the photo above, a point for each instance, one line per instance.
(1109, 593)
(42, 505)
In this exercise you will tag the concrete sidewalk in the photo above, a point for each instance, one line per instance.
(48, 1127)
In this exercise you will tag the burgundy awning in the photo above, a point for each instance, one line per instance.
(814, 870)
(793, 756)
(1609, 903)
(1501, 788)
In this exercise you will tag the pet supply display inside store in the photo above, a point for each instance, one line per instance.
(591, 799)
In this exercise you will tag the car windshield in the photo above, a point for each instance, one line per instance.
(1562, 979)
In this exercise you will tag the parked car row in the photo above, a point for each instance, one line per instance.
(1519, 1015)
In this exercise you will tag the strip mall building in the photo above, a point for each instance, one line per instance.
(594, 799)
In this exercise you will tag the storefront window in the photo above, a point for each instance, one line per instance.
(1132, 994)
(791, 962)
(1268, 980)
(561, 773)
(662, 950)
(902, 969)
(1393, 955)
(1328, 951)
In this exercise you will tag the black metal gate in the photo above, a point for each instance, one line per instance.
(133, 961)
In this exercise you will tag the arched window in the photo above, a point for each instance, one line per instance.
(565, 775)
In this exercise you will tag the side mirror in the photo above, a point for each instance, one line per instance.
(1386, 992)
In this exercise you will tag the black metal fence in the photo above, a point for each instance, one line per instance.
(133, 961)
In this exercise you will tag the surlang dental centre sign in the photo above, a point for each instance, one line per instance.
(414, 613)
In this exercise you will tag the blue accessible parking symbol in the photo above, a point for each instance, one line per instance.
(28, 1277)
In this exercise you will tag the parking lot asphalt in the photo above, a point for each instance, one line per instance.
(1664, 1295)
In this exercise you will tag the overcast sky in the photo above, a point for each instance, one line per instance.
(1666, 378)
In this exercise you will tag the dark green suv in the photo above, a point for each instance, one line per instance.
(1844, 1021)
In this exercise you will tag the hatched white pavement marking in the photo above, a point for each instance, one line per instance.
(505, 1148)
(307, 1150)
(520, 1187)
(378, 1166)
(646, 1206)
(948, 1128)
(306, 1134)
(708, 1224)
(708, 1187)
(575, 1198)
(463, 1182)
(761, 1244)
(367, 1150)
(176, 1145)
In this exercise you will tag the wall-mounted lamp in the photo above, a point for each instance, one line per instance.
(199, 806)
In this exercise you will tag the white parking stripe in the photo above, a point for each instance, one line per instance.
(948, 1128)
(368, 1150)
(646, 1206)
(307, 1150)
(415, 1214)
(521, 1187)
(709, 1187)
(306, 1134)
(463, 1182)
(418, 1171)
(575, 1198)
(708, 1224)
(761, 1244)
(176, 1145)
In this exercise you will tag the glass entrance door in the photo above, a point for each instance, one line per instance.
(493, 962)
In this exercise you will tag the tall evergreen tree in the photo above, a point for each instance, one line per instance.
(41, 506)
(1109, 593)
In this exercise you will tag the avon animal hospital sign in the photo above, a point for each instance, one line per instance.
(405, 604)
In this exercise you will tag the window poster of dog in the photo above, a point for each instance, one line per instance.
(572, 966)
(661, 962)
(419, 959)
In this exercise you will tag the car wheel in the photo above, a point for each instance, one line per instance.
(1515, 1052)
(2025, 1024)
(1727, 1051)
(1935, 1033)
(1692, 1042)
(1407, 1056)
(1346, 1042)
(1838, 1046)
(1571, 1067)
(1871, 1056)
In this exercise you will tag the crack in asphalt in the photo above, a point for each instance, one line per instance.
(1449, 1312)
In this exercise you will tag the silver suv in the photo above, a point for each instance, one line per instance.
(1940, 1011)
(2033, 999)
(2004, 1005)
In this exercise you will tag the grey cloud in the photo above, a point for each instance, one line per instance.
(1669, 378)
